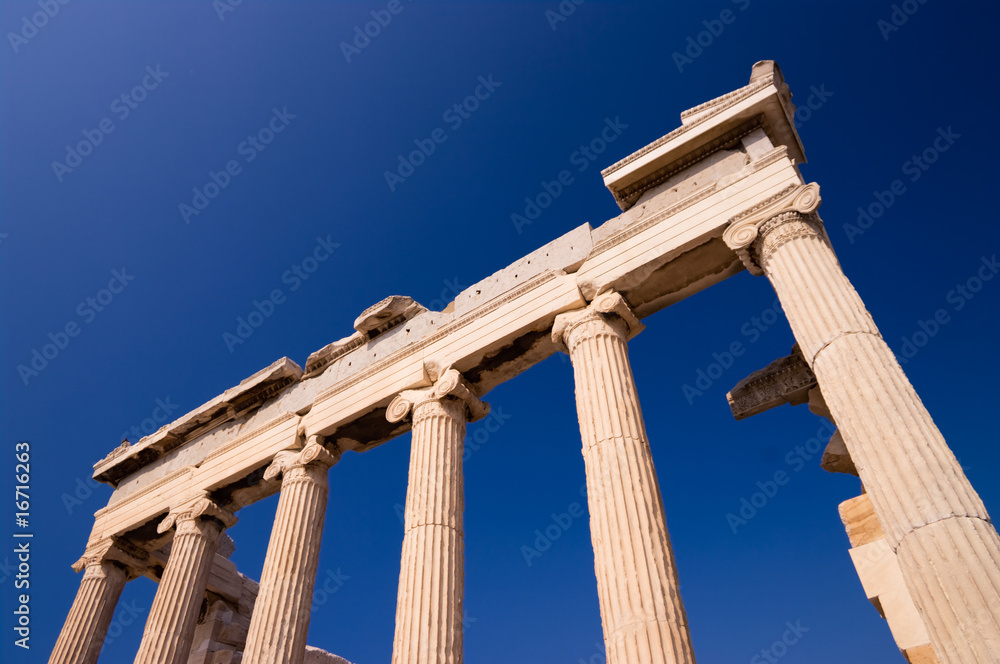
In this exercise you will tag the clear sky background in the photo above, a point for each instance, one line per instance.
(880, 96)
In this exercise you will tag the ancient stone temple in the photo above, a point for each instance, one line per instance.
(720, 194)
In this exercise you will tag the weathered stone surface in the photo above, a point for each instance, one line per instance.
(882, 579)
(227, 547)
(219, 635)
(947, 548)
(251, 393)
(880, 575)
(721, 193)
(706, 128)
(664, 249)
(921, 655)
(223, 578)
(836, 458)
(82, 635)
(641, 610)
(679, 186)
(565, 253)
(321, 359)
(280, 622)
(432, 573)
(317, 656)
(786, 380)
(860, 521)
(386, 314)
(173, 617)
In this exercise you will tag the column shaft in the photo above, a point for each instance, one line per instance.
(280, 621)
(432, 571)
(948, 549)
(82, 635)
(174, 614)
(638, 589)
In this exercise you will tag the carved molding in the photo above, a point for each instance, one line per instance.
(745, 227)
(628, 195)
(721, 103)
(313, 453)
(115, 453)
(199, 506)
(786, 380)
(387, 314)
(778, 153)
(115, 550)
(450, 384)
(609, 304)
(327, 355)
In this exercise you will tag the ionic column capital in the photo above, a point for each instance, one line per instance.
(756, 232)
(606, 308)
(313, 454)
(197, 507)
(113, 551)
(450, 385)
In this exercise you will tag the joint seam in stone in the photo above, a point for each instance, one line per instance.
(682, 624)
(461, 531)
(829, 343)
(985, 520)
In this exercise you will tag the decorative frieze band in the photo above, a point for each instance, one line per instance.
(786, 380)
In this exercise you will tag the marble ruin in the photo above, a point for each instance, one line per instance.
(720, 194)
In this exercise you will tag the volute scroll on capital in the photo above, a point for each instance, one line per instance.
(449, 384)
(199, 506)
(606, 305)
(745, 228)
(121, 552)
(312, 453)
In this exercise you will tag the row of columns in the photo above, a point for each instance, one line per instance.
(948, 550)
(280, 621)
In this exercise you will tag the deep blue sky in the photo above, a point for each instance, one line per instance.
(447, 226)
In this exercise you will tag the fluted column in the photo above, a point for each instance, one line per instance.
(106, 569)
(946, 545)
(638, 589)
(280, 621)
(174, 614)
(432, 574)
